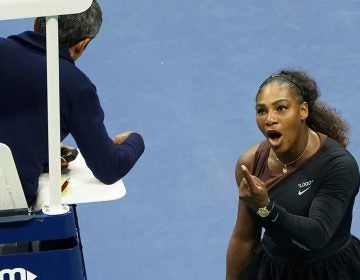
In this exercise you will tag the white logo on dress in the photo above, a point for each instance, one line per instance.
(303, 187)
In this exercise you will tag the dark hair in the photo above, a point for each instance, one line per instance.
(76, 27)
(322, 118)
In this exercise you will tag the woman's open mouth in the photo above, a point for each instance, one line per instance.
(274, 137)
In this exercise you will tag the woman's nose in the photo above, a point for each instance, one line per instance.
(270, 119)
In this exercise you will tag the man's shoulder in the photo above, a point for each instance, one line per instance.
(73, 77)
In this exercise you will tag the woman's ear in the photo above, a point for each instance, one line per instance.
(304, 111)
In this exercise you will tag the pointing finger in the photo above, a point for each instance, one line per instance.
(248, 178)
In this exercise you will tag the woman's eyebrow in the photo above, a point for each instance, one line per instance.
(273, 103)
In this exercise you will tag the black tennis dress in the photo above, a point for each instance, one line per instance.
(307, 234)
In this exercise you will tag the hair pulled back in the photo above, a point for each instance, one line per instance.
(322, 118)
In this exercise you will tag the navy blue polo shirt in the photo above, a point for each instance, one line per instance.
(23, 114)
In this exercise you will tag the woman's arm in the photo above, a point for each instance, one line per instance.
(327, 209)
(246, 235)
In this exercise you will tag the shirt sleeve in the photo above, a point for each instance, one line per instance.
(327, 210)
(108, 162)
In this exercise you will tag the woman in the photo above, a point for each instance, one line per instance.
(299, 185)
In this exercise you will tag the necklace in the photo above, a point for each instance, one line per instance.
(284, 170)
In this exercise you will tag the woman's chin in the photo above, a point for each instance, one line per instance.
(275, 143)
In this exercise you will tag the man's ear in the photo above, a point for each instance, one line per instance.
(36, 24)
(77, 50)
(80, 47)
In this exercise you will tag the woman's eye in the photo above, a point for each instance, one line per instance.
(260, 111)
(281, 108)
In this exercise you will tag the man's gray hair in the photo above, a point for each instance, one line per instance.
(76, 27)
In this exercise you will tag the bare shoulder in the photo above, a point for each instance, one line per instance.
(247, 159)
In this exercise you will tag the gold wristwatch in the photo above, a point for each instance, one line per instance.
(263, 212)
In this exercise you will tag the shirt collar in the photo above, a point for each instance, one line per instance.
(38, 40)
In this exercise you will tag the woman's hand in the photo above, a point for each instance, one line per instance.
(253, 191)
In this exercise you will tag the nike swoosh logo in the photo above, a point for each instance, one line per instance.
(301, 192)
(274, 220)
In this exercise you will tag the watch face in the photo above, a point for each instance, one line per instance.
(263, 212)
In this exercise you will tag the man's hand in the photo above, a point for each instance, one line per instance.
(68, 154)
(120, 138)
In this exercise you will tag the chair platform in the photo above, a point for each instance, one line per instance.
(55, 264)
